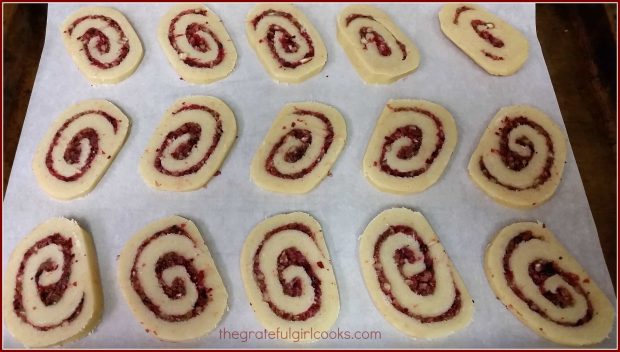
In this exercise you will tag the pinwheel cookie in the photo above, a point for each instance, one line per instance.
(493, 44)
(410, 146)
(288, 276)
(545, 287)
(170, 281)
(287, 44)
(189, 144)
(196, 43)
(102, 43)
(377, 48)
(520, 158)
(79, 147)
(301, 146)
(410, 278)
(51, 292)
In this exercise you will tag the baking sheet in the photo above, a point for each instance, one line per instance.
(464, 218)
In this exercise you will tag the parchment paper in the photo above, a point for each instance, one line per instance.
(225, 211)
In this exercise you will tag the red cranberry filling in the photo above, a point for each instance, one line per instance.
(304, 137)
(52, 293)
(414, 135)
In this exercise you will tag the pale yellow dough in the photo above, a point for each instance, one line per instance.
(523, 191)
(257, 36)
(314, 251)
(416, 114)
(301, 119)
(175, 236)
(87, 116)
(83, 285)
(207, 68)
(514, 46)
(364, 54)
(447, 278)
(545, 246)
(177, 175)
(72, 35)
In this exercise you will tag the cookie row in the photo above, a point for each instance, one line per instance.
(107, 49)
(519, 160)
(52, 292)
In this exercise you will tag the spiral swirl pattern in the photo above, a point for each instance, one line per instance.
(495, 45)
(170, 281)
(566, 293)
(481, 28)
(189, 144)
(414, 264)
(197, 35)
(191, 284)
(96, 44)
(410, 277)
(196, 43)
(78, 148)
(288, 275)
(190, 133)
(300, 148)
(102, 43)
(379, 51)
(295, 286)
(369, 35)
(410, 147)
(516, 150)
(543, 285)
(285, 41)
(520, 158)
(288, 41)
(413, 136)
(51, 292)
(293, 147)
(72, 151)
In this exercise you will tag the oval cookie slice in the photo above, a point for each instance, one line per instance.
(79, 147)
(51, 292)
(520, 158)
(301, 146)
(102, 43)
(377, 48)
(196, 43)
(189, 145)
(170, 281)
(410, 147)
(288, 276)
(493, 44)
(410, 278)
(286, 43)
(545, 287)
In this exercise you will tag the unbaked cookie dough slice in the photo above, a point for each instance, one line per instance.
(79, 147)
(286, 42)
(495, 45)
(170, 281)
(196, 43)
(410, 146)
(520, 158)
(410, 278)
(102, 43)
(189, 144)
(300, 148)
(288, 276)
(545, 287)
(51, 292)
(377, 48)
